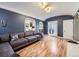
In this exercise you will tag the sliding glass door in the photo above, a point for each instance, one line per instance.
(52, 28)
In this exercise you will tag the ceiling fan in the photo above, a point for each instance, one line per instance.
(45, 6)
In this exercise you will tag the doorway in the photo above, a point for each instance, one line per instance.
(68, 29)
(53, 28)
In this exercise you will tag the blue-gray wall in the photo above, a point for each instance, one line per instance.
(37, 24)
(60, 23)
(15, 22)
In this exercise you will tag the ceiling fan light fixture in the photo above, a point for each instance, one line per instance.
(48, 9)
(45, 6)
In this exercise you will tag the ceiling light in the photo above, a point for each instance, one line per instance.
(45, 6)
(48, 9)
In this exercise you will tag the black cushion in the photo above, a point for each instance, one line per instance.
(6, 50)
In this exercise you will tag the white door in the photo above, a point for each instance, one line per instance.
(52, 28)
(68, 29)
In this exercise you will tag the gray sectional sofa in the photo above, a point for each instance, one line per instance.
(9, 45)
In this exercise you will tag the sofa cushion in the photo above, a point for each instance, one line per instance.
(5, 38)
(31, 38)
(6, 50)
(38, 33)
(38, 36)
(19, 43)
(28, 33)
(21, 35)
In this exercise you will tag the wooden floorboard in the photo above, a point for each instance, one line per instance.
(47, 47)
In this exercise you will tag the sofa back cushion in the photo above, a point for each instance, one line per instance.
(28, 33)
(34, 33)
(21, 35)
(5, 38)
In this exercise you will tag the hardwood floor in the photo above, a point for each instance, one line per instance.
(47, 47)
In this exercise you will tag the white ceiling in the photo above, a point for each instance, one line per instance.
(32, 9)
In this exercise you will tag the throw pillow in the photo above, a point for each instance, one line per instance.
(14, 37)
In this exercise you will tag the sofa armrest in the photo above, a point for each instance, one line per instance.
(38, 33)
